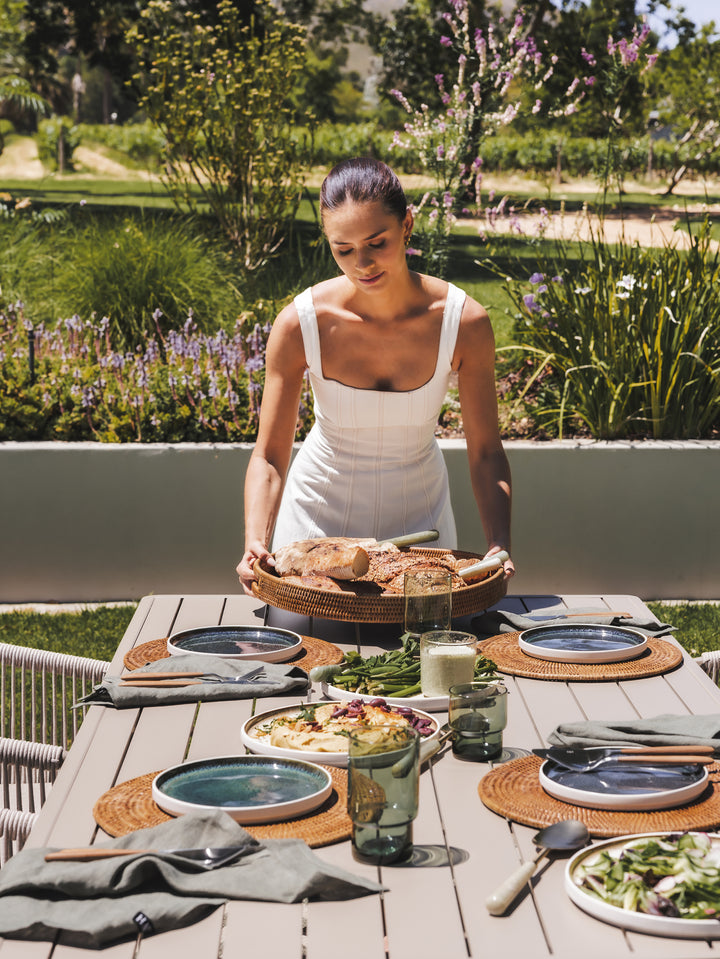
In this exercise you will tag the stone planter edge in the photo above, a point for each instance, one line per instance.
(93, 522)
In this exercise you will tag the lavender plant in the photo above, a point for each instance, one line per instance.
(494, 69)
(67, 382)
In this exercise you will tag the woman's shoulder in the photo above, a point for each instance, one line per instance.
(439, 290)
(330, 294)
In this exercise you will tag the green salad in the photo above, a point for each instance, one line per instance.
(677, 876)
(395, 673)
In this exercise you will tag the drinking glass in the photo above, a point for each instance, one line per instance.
(447, 658)
(383, 781)
(478, 715)
(428, 601)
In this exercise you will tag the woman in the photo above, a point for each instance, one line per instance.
(380, 342)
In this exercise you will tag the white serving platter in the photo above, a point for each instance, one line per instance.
(255, 737)
(430, 704)
(267, 644)
(582, 643)
(623, 785)
(251, 789)
(636, 921)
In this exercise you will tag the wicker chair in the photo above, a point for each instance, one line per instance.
(38, 690)
(38, 722)
(710, 662)
(15, 827)
(26, 772)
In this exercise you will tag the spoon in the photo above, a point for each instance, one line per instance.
(565, 835)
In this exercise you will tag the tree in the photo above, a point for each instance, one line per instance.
(687, 88)
(219, 95)
(17, 97)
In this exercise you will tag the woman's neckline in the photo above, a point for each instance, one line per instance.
(373, 389)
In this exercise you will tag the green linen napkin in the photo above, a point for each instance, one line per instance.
(104, 901)
(277, 679)
(664, 730)
(497, 621)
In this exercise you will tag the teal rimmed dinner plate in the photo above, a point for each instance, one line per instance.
(265, 643)
(582, 643)
(251, 789)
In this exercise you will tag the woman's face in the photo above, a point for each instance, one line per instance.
(367, 242)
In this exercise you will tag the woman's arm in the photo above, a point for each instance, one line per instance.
(265, 477)
(474, 361)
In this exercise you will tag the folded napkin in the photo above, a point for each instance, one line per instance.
(277, 679)
(500, 621)
(664, 730)
(107, 900)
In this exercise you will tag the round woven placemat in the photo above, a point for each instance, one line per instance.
(130, 806)
(314, 652)
(513, 790)
(372, 608)
(658, 657)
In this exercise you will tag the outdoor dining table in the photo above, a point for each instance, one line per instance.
(427, 911)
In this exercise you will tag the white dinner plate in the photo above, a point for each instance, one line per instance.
(626, 918)
(625, 785)
(255, 737)
(251, 789)
(430, 704)
(265, 643)
(582, 643)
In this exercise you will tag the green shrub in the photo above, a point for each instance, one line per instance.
(625, 340)
(57, 139)
(135, 144)
(128, 267)
(333, 142)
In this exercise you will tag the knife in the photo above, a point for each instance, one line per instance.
(411, 539)
(490, 562)
(545, 617)
(657, 754)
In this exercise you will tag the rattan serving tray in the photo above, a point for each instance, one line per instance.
(314, 652)
(130, 806)
(659, 657)
(372, 608)
(513, 790)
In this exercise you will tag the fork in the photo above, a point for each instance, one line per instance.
(648, 759)
(192, 679)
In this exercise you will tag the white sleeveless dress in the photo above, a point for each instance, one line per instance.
(370, 465)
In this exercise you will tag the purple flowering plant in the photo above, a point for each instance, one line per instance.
(495, 67)
(65, 381)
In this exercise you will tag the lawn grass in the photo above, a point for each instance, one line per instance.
(95, 632)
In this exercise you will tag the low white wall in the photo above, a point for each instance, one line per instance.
(90, 522)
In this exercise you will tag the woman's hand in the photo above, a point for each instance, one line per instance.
(245, 570)
(508, 565)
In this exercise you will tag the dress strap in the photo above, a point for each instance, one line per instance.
(309, 329)
(454, 304)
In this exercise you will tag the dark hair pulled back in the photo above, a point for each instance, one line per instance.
(363, 180)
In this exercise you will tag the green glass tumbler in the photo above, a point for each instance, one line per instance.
(383, 786)
(477, 715)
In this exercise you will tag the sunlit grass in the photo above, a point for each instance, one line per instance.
(93, 633)
(96, 632)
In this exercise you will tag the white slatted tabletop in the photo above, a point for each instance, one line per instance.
(427, 913)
